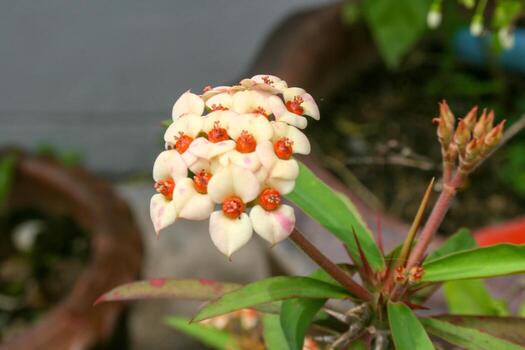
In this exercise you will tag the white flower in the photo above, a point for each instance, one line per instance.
(265, 82)
(283, 132)
(251, 101)
(183, 131)
(188, 103)
(297, 103)
(239, 160)
(248, 130)
(177, 195)
(271, 220)
(230, 227)
(275, 172)
(209, 91)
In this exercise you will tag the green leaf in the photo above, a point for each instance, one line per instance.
(169, 289)
(297, 314)
(273, 334)
(271, 289)
(471, 297)
(461, 240)
(467, 338)
(497, 260)
(407, 332)
(214, 338)
(7, 169)
(337, 214)
(396, 25)
(511, 329)
(506, 12)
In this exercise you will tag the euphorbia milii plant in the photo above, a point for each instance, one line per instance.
(229, 158)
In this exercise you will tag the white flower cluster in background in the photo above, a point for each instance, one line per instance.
(229, 158)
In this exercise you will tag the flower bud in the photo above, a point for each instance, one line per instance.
(470, 118)
(445, 123)
(480, 127)
(462, 136)
(493, 138)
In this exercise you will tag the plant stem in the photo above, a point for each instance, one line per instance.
(326, 264)
(434, 220)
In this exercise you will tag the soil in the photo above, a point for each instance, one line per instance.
(40, 259)
(376, 135)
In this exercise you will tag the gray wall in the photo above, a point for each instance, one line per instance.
(98, 76)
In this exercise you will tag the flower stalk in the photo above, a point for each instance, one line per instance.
(330, 267)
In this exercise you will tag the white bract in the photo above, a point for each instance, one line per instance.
(230, 153)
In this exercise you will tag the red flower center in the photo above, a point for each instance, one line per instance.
(200, 181)
(183, 142)
(207, 88)
(283, 148)
(270, 199)
(246, 142)
(165, 187)
(217, 134)
(233, 207)
(294, 106)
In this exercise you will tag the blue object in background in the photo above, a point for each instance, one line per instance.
(476, 50)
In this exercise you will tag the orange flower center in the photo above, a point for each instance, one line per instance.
(218, 107)
(217, 134)
(267, 80)
(283, 148)
(294, 106)
(183, 142)
(233, 207)
(165, 187)
(270, 199)
(260, 110)
(200, 181)
(246, 142)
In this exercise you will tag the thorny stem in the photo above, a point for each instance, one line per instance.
(333, 270)
(435, 219)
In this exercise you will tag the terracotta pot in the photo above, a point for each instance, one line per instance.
(116, 251)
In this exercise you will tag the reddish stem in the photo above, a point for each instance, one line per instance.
(434, 220)
(333, 270)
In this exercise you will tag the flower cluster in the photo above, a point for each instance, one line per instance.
(230, 149)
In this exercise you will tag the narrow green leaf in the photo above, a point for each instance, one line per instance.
(161, 288)
(471, 297)
(297, 314)
(271, 289)
(511, 329)
(408, 333)
(273, 334)
(468, 338)
(497, 260)
(395, 25)
(214, 338)
(7, 168)
(337, 214)
(461, 240)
